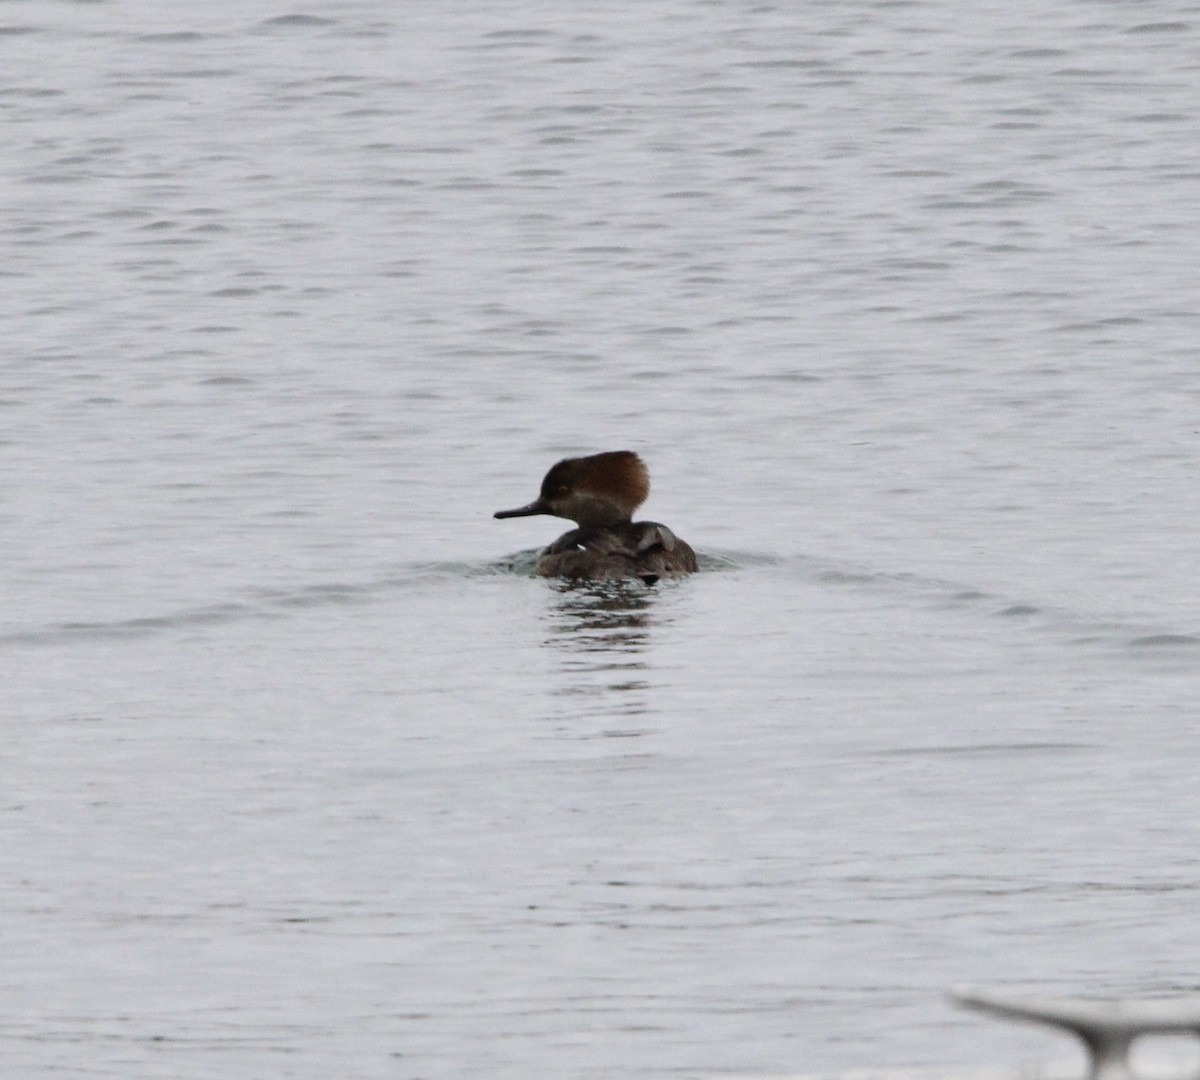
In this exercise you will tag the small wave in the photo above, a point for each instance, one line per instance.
(517, 35)
(171, 37)
(294, 21)
(1077, 627)
(1165, 641)
(523, 563)
(1159, 28)
(318, 596)
(126, 628)
(265, 604)
(983, 749)
(736, 560)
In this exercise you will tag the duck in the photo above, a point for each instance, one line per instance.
(600, 493)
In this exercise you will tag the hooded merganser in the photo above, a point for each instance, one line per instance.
(600, 493)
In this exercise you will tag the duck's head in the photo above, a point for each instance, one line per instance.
(594, 492)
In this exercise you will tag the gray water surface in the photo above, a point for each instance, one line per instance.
(900, 303)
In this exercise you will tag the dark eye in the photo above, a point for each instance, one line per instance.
(562, 489)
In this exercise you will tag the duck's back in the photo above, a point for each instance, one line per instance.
(639, 549)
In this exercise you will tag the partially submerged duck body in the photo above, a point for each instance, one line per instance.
(641, 549)
(600, 493)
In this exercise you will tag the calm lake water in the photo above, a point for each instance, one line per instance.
(302, 778)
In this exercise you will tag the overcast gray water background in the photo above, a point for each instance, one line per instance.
(899, 301)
